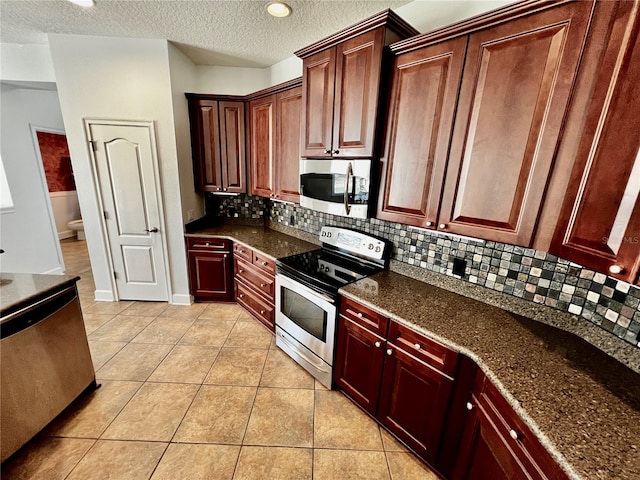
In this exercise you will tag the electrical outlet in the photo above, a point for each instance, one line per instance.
(459, 266)
(292, 220)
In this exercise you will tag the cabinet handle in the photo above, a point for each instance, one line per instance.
(377, 344)
(429, 224)
(418, 347)
(389, 351)
(513, 434)
(241, 295)
(442, 226)
(469, 406)
(616, 269)
(336, 152)
(327, 152)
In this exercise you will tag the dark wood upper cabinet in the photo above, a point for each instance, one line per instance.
(217, 143)
(288, 119)
(599, 224)
(262, 145)
(424, 91)
(274, 132)
(341, 79)
(516, 85)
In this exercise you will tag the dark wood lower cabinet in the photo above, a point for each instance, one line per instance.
(413, 401)
(360, 356)
(211, 276)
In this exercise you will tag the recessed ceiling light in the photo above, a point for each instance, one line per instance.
(84, 3)
(279, 9)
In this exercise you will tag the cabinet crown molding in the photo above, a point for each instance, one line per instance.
(387, 18)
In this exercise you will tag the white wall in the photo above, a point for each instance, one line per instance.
(285, 70)
(65, 208)
(120, 79)
(27, 235)
(231, 80)
(31, 63)
(183, 79)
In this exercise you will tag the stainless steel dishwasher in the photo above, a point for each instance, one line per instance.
(44, 365)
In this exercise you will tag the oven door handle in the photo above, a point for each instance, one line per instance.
(347, 207)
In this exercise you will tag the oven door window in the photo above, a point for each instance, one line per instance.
(304, 313)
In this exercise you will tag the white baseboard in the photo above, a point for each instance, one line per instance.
(66, 234)
(181, 299)
(104, 296)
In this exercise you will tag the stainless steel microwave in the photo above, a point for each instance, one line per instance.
(338, 187)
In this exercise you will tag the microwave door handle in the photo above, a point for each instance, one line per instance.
(347, 207)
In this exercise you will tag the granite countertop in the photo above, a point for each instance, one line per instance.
(582, 404)
(269, 242)
(18, 290)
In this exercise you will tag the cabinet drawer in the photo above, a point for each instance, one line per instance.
(255, 304)
(427, 350)
(525, 445)
(243, 252)
(364, 316)
(266, 264)
(251, 275)
(208, 244)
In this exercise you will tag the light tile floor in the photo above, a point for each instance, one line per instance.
(201, 392)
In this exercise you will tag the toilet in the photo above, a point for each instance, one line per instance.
(78, 227)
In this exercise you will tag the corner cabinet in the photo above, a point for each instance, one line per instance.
(341, 79)
(210, 269)
(274, 133)
(217, 143)
(599, 225)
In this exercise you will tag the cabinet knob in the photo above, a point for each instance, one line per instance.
(224, 189)
(429, 224)
(207, 244)
(265, 263)
(336, 152)
(442, 226)
(513, 434)
(262, 312)
(263, 285)
(241, 295)
(616, 269)
(224, 256)
(377, 344)
(327, 152)
(240, 271)
(360, 314)
(389, 351)
(218, 189)
(418, 347)
(469, 406)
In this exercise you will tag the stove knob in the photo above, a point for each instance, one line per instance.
(371, 246)
(378, 249)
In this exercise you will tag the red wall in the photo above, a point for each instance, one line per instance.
(57, 163)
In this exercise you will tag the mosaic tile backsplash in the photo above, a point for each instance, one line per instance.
(522, 272)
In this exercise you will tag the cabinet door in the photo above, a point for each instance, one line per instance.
(232, 147)
(357, 88)
(318, 80)
(261, 131)
(205, 145)
(515, 88)
(484, 453)
(413, 401)
(358, 367)
(288, 118)
(599, 225)
(211, 275)
(424, 92)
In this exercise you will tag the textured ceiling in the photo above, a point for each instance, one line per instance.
(210, 32)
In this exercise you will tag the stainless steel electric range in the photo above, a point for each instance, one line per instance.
(307, 294)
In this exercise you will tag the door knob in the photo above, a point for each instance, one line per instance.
(152, 230)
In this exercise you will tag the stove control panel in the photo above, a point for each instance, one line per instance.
(353, 241)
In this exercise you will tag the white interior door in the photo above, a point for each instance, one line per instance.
(125, 160)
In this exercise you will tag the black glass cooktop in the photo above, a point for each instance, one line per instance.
(324, 270)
